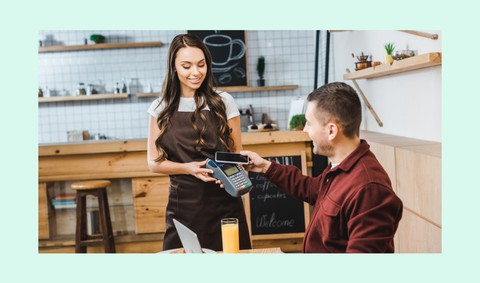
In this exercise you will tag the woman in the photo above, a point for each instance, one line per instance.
(188, 124)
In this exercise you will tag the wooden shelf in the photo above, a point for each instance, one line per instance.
(100, 46)
(147, 94)
(405, 65)
(82, 97)
(257, 88)
(233, 89)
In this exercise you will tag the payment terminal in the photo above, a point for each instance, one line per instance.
(233, 177)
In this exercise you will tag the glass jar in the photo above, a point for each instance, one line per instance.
(81, 89)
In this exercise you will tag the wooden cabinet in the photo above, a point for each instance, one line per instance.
(414, 167)
(43, 212)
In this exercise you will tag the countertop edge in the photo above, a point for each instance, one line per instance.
(131, 145)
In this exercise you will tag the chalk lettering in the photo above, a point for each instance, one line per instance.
(265, 221)
(268, 196)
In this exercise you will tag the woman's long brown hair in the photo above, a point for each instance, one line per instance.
(204, 95)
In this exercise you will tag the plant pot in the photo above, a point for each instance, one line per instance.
(261, 82)
(388, 60)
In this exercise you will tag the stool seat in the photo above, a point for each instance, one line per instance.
(95, 188)
(91, 185)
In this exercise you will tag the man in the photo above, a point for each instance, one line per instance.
(355, 208)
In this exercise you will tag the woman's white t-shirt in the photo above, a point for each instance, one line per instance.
(188, 105)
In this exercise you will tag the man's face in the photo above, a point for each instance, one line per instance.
(317, 131)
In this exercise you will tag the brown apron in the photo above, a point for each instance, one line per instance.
(198, 205)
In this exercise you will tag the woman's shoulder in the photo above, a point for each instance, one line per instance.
(230, 105)
(224, 95)
(158, 103)
(156, 107)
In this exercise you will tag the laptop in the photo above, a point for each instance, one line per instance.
(188, 238)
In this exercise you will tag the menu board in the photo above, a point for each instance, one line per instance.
(229, 60)
(272, 211)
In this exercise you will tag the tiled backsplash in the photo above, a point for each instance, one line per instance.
(289, 61)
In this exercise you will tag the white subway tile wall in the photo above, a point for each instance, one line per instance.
(289, 57)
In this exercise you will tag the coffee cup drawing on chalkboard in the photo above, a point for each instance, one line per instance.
(221, 47)
(228, 49)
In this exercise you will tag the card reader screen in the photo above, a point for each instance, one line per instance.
(229, 170)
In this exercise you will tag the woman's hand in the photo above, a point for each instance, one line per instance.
(198, 170)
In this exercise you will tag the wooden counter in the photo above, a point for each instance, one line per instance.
(127, 159)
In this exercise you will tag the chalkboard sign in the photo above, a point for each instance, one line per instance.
(229, 60)
(272, 211)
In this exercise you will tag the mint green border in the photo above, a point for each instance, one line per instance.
(20, 24)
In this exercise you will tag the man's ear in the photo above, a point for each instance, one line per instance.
(332, 131)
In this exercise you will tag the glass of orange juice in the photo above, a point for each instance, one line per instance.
(230, 241)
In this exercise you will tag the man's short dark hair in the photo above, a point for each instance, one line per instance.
(338, 102)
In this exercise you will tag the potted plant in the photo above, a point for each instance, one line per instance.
(97, 38)
(261, 70)
(298, 122)
(389, 47)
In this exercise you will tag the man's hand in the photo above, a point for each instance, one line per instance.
(256, 164)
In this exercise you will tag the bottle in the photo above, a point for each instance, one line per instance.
(134, 85)
(89, 89)
(124, 86)
(40, 92)
(117, 88)
(47, 92)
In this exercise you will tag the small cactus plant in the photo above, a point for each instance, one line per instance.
(389, 47)
(261, 67)
(261, 70)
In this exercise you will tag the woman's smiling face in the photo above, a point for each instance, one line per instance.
(191, 69)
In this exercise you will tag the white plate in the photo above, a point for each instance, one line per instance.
(206, 251)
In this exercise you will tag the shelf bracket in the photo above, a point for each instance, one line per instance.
(367, 103)
(433, 36)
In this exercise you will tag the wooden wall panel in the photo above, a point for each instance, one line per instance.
(384, 145)
(386, 156)
(419, 182)
(417, 235)
(414, 167)
(150, 197)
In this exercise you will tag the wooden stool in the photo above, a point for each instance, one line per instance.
(96, 188)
